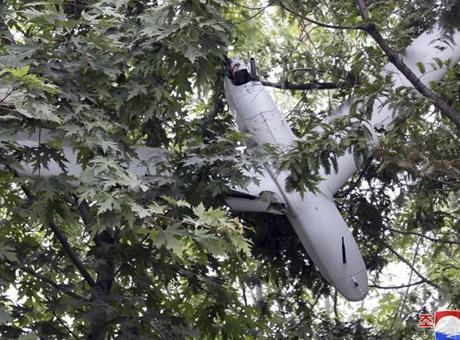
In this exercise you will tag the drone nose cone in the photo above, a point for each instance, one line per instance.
(354, 287)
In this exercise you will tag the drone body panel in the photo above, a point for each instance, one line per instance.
(327, 240)
(315, 218)
(258, 114)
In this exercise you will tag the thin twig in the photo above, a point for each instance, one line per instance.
(243, 289)
(52, 283)
(397, 286)
(406, 293)
(318, 23)
(362, 173)
(64, 324)
(7, 95)
(410, 266)
(310, 307)
(260, 11)
(433, 239)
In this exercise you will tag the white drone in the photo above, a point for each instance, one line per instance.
(317, 221)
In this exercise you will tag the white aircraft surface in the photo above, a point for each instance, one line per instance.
(315, 218)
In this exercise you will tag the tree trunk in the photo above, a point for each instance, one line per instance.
(105, 270)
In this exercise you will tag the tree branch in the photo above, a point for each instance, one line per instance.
(243, 289)
(52, 283)
(393, 57)
(397, 61)
(83, 209)
(303, 87)
(7, 95)
(71, 253)
(402, 303)
(62, 238)
(100, 320)
(105, 270)
(410, 266)
(318, 23)
(398, 286)
(421, 235)
(64, 324)
(353, 185)
(363, 9)
(259, 11)
(336, 312)
(310, 307)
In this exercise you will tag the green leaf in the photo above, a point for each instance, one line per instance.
(108, 203)
(36, 110)
(5, 317)
(192, 53)
(172, 238)
(28, 337)
(7, 253)
(155, 208)
(421, 67)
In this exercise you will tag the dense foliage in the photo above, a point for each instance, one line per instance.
(120, 257)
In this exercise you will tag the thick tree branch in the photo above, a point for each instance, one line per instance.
(105, 243)
(363, 9)
(71, 253)
(62, 239)
(100, 321)
(83, 209)
(410, 266)
(397, 61)
(336, 312)
(105, 270)
(303, 87)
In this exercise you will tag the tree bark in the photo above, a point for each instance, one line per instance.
(105, 269)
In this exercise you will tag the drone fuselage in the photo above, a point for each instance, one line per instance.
(317, 221)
